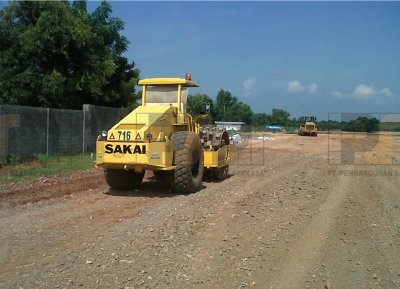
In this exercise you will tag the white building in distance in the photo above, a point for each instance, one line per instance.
(230, 125)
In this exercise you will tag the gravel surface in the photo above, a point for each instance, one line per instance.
(284, 218)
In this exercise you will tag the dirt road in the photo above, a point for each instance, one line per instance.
(284, 218)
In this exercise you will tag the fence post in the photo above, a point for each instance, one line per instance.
(83, 132)
(47, 131)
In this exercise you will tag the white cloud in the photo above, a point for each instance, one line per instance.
(386, 92)
(337, 94)
(249, 85)
(366, 92)
(313, 88)
(294, 86)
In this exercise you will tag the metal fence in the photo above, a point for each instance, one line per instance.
(29, 132)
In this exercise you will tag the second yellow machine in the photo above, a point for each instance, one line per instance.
(161, 136)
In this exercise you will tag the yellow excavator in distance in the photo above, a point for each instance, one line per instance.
(308, 126)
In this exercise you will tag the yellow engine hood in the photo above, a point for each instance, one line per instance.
(156, 120)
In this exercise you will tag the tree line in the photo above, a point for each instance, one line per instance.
(227, 107)
(360, 124)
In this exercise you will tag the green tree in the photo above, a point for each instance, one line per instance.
(280, 117)
(329, 125)
(362, 124)
(199, 104)
(239, 111)
(228, 108)
(224, 101)
(56, 54)
(261, 120)
(201, 107)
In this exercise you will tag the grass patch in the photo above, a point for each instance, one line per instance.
(45, 166)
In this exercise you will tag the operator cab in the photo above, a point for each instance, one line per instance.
(167, 92)
(309, 119)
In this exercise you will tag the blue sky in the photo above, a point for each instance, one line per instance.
(305, 57)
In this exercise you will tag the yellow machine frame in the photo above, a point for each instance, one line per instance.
(304, 129)
(141, 140)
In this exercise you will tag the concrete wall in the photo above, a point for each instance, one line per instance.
(28, 131)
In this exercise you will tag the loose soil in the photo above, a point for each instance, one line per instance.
(288, 216)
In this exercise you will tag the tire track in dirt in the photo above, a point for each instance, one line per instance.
(50, 187)
(360, 251)
(239, 204)
(359, 248)
(67, 223)
(310, 242)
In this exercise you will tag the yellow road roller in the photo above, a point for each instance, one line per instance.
(160, 136)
